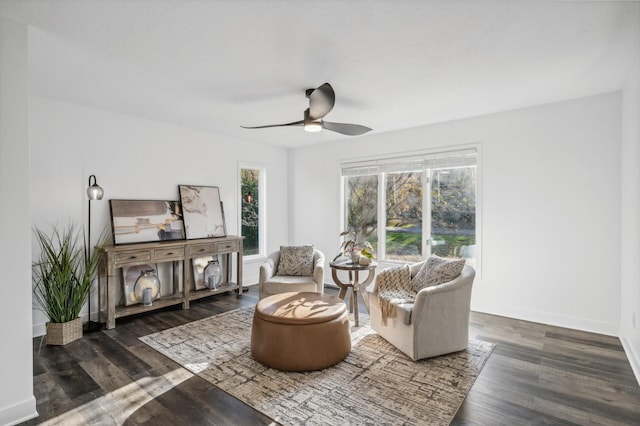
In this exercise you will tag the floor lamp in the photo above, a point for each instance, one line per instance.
(94, 192)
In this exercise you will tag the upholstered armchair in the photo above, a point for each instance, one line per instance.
(436, 323)
(271, 282)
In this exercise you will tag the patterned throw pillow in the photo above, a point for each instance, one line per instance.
(296, 261)
(436, 270)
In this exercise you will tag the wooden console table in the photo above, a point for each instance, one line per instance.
(117, 257)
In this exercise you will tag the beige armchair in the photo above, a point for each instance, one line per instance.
(271, 283)
(436, 323)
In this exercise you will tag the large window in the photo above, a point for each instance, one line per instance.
(409, 207)
(251, 211)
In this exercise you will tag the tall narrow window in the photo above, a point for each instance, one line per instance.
(412, 206)
(361, 194)
(453, 212)
(404, 216)
(251, 214)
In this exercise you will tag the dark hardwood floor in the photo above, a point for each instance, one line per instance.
(536, 375)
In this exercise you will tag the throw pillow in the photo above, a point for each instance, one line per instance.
(436, 270)
(296, 260)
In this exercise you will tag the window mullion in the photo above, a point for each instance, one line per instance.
(382, 216)
(426, 213)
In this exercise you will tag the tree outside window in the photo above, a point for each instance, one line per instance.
(250, 215)
(361, 194)
(409, 208)
(404, 216)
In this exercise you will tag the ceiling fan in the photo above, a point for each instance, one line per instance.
(321, 101)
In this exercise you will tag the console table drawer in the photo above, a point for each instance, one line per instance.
(227, 246)
(201, 249)
(176, 253)
(132, 257)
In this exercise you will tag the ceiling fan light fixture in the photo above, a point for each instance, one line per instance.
(312, 126)
(321, 102)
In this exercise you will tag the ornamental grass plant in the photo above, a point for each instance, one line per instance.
(63, 272)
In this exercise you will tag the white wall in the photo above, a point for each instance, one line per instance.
(17, 402)
(630, 219)
(550, 209)
(135, 158)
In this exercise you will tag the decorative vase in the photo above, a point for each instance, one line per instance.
(147, 287)
(61, 333)
(213, 275)
(355, 255)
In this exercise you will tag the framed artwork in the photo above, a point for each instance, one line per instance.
(130, 275)
(138, 221)
(202, 209)
(199, 263)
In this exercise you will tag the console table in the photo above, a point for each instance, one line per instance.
(178, 251)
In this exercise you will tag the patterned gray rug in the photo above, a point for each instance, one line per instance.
(375, 384)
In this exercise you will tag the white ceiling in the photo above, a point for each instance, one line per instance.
(216, 65)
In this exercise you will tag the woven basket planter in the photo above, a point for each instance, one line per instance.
(64, 332)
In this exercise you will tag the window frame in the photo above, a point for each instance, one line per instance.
(381, 226)
(262, 234)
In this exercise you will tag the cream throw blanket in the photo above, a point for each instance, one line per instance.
(394, 287)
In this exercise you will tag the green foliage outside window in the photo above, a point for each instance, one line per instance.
(362, 210)
(452, 207)
(250, 188)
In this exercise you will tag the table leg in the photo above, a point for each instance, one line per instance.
(111, 299)
(343, 292)
(339, 283)
(354, 300)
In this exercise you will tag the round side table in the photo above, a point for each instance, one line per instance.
(354, 282)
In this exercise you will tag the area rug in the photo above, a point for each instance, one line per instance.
(375, 384)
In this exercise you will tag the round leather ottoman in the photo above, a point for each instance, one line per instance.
(300, 331)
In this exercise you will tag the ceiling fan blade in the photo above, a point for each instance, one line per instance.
(345, 128)
(295, 123)
(321, 101)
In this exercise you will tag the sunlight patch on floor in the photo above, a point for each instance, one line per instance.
(115, 407)
(197, 368)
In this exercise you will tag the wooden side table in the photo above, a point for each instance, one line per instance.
(354, 282)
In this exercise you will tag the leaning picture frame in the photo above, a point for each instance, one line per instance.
(202, 211)
(138, 221)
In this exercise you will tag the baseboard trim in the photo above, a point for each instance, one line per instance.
(549, 318)
(633, 355)
(19, 413)
(39, 329)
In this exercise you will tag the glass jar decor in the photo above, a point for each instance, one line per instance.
(147, 287)
(213, 275)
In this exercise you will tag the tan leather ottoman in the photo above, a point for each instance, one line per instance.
(300, 331)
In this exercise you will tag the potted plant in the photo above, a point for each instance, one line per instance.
(351, 247)
(62, 276)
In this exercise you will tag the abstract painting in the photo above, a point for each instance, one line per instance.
(203, 215)
(138, 221)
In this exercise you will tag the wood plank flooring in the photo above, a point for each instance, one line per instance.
(537, 375)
